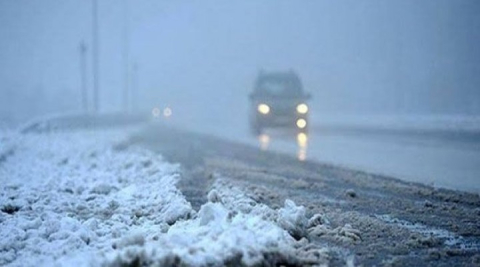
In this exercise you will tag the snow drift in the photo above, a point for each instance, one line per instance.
(88, 198)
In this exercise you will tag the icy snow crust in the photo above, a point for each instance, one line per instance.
(88, 199)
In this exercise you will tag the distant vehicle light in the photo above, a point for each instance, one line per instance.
(301, 123)
(156, 112)
(302, 108)
(263, 108)
(167, 112)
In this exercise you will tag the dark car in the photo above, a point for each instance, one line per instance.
(278, 100)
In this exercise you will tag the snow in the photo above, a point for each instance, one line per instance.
(232, 228)
(293, 219)
(448, 238)
(77, 194)
(89, 198)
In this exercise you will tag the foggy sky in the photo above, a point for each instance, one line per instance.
(201, 57)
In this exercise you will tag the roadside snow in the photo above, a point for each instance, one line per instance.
(87, 198)
(230, 229)
(66, 194)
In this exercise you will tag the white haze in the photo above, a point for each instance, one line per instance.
(201, 57)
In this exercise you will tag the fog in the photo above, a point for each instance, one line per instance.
(201, 57)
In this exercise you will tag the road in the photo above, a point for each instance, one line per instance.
(442, 160)
(404, 223)
(447, 159)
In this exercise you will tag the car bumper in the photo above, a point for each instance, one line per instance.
(271, 120)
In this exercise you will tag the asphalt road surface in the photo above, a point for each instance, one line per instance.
(441, 158)
(400, 223)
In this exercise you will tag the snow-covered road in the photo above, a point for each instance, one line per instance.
(86, 198)
(160, 195)
(375, 219)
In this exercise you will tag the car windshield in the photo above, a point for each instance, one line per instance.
(275, 88)
(279, 85)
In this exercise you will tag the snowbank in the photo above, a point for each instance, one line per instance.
(64, 195)
(88, 198)
(230, 229)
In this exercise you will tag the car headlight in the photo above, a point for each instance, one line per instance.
(302, 108)
(167, 112)
(263, 108)
(301, 123)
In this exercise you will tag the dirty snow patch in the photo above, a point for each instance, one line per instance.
(448, 238)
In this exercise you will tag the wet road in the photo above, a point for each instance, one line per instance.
(400, 223)
(441, 159)
(438, 160)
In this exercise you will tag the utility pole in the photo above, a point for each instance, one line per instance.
(126, 71)
(96, 74)
(83, 75)
(135, 90)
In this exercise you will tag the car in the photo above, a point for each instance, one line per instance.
(278, 101)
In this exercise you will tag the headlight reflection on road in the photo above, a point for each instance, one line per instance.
(264, 140)
(302, 141)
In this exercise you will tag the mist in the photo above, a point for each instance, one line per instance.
(201, 57)
(237, 132)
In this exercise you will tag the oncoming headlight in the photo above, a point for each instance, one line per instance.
(263, 108)
(167, 112)
(302, 108)
(301, 123)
